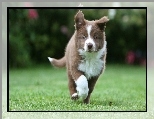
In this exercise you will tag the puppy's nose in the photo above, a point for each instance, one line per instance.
(90, 45)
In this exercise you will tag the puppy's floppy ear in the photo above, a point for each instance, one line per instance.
(79, 20)
(102, 22)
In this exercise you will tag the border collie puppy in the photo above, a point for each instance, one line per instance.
(85, 56)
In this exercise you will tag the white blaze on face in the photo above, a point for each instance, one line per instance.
(89, 39)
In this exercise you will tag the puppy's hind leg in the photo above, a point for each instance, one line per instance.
(72, 88)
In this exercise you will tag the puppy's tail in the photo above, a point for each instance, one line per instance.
(58, 62)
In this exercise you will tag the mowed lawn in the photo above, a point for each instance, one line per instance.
(44, 88)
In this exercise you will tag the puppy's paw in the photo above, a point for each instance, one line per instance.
(74, 96)
(82, 87)
(82, 92)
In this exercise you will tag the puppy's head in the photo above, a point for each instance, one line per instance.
(90, 35)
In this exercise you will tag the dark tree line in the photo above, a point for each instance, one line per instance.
(35, 34)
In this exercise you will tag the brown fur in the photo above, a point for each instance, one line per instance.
(72, 58)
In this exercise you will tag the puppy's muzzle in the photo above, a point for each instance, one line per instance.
(90, 46)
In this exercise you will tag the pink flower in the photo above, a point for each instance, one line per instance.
(64, 29)
(32, 14)
(130, 57)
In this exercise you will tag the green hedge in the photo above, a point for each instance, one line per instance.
(35, 35)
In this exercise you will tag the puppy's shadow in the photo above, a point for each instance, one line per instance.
(95, 102)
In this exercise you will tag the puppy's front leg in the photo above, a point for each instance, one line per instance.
(81, 83)
(78, 77)
(82, 87)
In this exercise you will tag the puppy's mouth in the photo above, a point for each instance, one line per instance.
(90, 50)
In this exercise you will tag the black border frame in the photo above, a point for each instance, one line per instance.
(78, 8)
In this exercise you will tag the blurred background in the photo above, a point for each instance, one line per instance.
(35, 34)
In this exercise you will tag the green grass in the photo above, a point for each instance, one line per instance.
(44, 88)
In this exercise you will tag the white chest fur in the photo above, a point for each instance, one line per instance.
(92, 63)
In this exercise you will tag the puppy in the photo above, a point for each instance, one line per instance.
(85, 56)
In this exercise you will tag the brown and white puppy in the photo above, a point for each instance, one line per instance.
(85, 56)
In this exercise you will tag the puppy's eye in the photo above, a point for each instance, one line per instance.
(83, 37)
